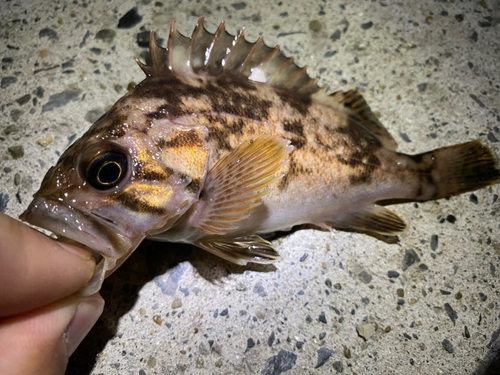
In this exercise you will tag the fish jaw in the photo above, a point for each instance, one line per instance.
(109, 244)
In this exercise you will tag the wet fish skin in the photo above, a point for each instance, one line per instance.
(215, 148)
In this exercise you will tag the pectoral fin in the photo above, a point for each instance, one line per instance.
(240, 250)
(236, 183)
(373, 218)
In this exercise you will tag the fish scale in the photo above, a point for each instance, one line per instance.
(226, 140)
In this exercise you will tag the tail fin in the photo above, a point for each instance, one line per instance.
(457, 169)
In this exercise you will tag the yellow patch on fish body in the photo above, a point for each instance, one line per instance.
(225, 140)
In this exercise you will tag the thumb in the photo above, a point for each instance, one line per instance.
(41, 341)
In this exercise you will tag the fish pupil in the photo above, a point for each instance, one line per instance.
(107, 170)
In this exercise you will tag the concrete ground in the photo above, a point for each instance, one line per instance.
(336, 302)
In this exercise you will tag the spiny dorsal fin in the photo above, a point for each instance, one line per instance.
(222, 53)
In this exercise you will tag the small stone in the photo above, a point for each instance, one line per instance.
(7, 81)
(365, 277)
(337, 286)
(447, 345)
(338, 367)
(151, 362)
(10, 129)
(61, 99)
(366, 26)
(23, 99)
(131, 85)
(474, 37)
(336, 35)
(49, 33)
(459, 17)
(44, 142)
(224, 312)
(218, 363)
(280, 363)
(466, 332)
(94, 114)
(422, 87)
(491, 137)
(315, 26)
(15, 114)
(322, 335)
(387, 329)
(308, 318)
(202, 348)
(322, 317)
(157, 319)
(303, 257)
(271, 338)
(400, 292)
(405, 137)
(239, 6)
(401, 301)
(324, 355)
(410, 257)
(365, 330)
(423, 266)
(250, 343)
(4, 200)
(17, 179)
(130, 19)
(106, 35)
(16, 151)
(451, 219)
(142, 39)
(177, 303)
(330, 54)
(452, 314)
(393, 274)
(412, 301)
(483, 297)
(434, 241)
(328, 283)
(458, 295)
(347, 352)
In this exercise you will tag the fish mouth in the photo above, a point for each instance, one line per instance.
(97, 234)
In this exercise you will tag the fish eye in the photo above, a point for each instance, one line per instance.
(107, 170)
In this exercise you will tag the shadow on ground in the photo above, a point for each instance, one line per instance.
(121, 290)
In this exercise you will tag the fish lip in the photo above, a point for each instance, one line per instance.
(91, 231)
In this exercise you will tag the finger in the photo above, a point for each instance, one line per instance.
(40, 341)
(36, 270)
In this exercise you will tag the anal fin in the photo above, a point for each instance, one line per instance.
(240, 250)
(372, 219)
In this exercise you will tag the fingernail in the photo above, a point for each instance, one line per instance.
(75, 250)
(87, 313)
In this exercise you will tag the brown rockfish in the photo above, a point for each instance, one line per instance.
(226, 140)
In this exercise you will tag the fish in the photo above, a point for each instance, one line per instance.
(226, 140)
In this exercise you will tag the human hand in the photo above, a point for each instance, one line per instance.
(42, 318)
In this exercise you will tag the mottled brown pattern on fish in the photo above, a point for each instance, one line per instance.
(217, 95)
(138, 203)
(187, 139)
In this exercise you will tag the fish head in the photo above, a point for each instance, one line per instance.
(129, 176)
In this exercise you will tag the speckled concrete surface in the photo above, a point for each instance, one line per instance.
(429, 68)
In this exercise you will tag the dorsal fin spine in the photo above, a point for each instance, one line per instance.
(199, 26)
(248, 58)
